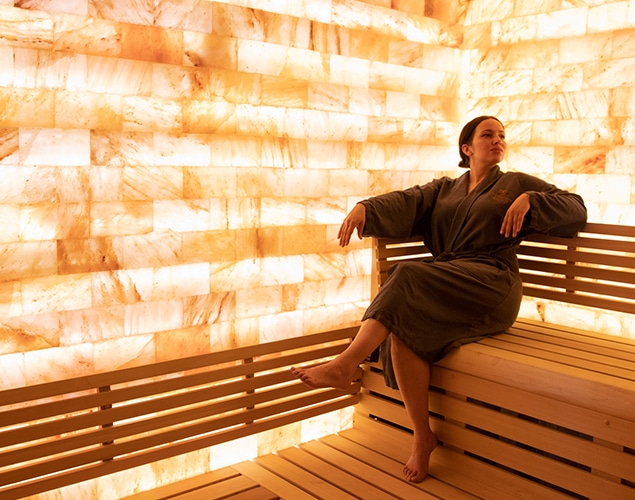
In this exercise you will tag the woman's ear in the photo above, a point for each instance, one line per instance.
(466, 149)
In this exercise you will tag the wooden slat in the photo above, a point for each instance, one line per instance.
(334, 475)
(272, 482)
(127, 375)
(462, 474)
(578, 299)
(190, 484)
(301, 478)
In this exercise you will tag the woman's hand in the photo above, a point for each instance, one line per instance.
(356, 219)
(515, 216)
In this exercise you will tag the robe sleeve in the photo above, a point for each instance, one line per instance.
(401, 214)
(554, 211)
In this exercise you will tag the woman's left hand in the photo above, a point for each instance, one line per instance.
(515, 216)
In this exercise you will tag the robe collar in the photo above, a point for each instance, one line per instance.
(464, 207)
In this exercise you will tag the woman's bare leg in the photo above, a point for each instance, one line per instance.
(413, 377)
(339, 372)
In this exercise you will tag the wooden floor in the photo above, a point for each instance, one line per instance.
(362, 463)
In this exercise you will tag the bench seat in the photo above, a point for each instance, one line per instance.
(540, 411)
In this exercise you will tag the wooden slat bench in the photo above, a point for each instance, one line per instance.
(64, 432)
(539, 412)
(542, 410)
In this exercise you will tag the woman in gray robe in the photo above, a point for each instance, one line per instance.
(471, 286)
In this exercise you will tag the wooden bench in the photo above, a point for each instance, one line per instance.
(541, 411)
(60, 433)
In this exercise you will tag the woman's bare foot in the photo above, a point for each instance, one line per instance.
(327, 375)
(416, 469)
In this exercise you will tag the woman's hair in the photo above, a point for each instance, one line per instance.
(467, 134)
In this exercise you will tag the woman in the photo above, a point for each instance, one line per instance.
(471, 287)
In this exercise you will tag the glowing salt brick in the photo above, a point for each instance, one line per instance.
(403, 105)
(235, 151)
(56, 293)
(579, 160)
(233, 452)
(235, 333)
(558, 133)
(510, 83)
(533, 107)
(152, 183)
(320, 426)
(203, 310)
(90, 325)
(423, 29)
(119, 76)
(119, 218)
(606, 188)
(264, 58)
(26, 28)
(279, 438)
(514, 30)
(80, 34)
(384, 129)
(7, 65)
(402, 156)
(191, 15)
(280, 326)
(232, 275)
(12, 370)
(9, 152)
(182, 343)
(190, 150)
(148, 114)
(387, 76)
(28, 260)
(442, 58)
(303, 64)
(592, 47)
(562, 23)
(480, 11)
(181, 215)
(39, 222)
(124, 352)
(538, 161)
(357, 263)
(48, 365)
(184, 280)
(86, 255)
(304, 295)
(27, 108)
(10, 223)
(118, 149)
(281, 270)
(73, 220)
(121, 287)
(282, 212)
(153, 249)
(149, 317)
(608, 17)
(326, 210)
(349, 71)
(619, 160)
(257, 302)
(322, 267)
(389, 22)
(309, 183)
(210, 50)
(244, 88)
(368, 102)
(55, 147)
(209, 117)
(303, 239)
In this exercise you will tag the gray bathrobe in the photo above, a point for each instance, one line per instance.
(471, 287)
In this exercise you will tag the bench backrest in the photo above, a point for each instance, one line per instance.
(594, 269)
(64, 432)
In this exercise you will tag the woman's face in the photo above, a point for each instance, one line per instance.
(488, 144)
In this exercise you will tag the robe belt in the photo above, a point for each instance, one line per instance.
(447, 256)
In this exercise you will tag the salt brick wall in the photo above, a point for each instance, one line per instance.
(173, 173)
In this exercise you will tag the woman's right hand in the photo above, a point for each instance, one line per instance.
(356, 219)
